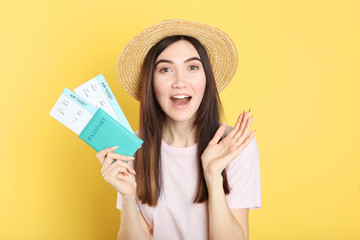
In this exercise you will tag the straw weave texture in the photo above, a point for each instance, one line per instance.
(221, 50)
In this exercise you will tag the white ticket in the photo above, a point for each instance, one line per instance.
(72, 111)
(98, 93)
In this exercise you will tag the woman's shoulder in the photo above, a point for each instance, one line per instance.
(248, 158)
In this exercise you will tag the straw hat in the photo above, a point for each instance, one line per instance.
(221, 50)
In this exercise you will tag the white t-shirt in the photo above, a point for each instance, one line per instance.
(176, 216)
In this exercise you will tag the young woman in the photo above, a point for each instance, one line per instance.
(194, 177)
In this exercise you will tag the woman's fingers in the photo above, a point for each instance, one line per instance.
(111, 176)
(239, 120)
(218, 134)
(102, 154)
(248, 139)
(238, 128)
(122, 177)
(119, 167)
(243, 122)
(242, 133)
(111, 156)
(237, 125)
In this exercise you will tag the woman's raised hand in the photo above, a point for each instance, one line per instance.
(217, 155)
(118, 173)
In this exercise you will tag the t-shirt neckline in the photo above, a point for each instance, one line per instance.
(184, 150)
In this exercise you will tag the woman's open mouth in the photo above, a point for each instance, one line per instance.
(180, 100)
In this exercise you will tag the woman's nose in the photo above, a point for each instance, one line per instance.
(179, 80)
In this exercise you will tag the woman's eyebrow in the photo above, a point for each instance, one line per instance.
(171, 62)
(191, 59)
(163, 60)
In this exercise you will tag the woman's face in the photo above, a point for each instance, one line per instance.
(179, 81)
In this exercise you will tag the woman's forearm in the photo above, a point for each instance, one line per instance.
(223, 224)
(130, 227)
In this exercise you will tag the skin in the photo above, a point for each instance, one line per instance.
(179, 73)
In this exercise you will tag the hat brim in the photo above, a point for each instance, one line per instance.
(221, 50)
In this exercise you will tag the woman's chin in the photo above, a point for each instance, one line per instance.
(181, 118)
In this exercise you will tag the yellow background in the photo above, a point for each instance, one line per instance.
(298, 72)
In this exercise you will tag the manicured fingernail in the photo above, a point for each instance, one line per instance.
(132, 158)
(134, 172)
(115, 147)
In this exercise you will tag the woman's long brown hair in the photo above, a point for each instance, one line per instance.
(148, 158)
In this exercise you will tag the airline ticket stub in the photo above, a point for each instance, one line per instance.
(72, 111)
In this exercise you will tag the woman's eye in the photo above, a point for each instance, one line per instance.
(165, 70)
(193, 67)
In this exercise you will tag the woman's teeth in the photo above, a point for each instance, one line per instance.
(180, 99)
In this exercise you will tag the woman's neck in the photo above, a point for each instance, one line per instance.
(179, 134)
